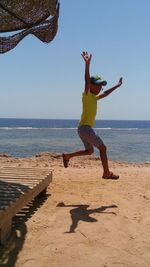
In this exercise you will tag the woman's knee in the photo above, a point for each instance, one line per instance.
(90, 151)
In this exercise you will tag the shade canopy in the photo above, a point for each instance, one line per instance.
(37, 17)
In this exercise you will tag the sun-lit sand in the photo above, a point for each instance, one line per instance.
(84, 221)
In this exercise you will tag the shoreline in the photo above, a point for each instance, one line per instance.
(45, 155)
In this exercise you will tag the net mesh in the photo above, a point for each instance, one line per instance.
(36, 17)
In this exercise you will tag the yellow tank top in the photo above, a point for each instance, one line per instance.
(89, 103)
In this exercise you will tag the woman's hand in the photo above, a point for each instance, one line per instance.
(86, 56)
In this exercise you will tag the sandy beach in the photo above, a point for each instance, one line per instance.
(84, 220)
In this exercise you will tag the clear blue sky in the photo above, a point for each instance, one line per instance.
(46, 81)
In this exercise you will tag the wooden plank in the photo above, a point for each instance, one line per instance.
(22, 170)
(19, 182)
(13, 176)
(23, 173)
(24, 176)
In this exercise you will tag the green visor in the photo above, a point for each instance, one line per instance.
(97, 80)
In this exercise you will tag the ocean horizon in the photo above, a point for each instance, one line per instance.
(126, 140)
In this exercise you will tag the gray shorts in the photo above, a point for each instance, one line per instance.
(89, 137)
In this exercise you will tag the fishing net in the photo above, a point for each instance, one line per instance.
(37, 17)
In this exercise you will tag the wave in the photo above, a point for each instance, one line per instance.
(103, 128)
(65, 128)
(34, 128)
(117, 129)
(17, 128)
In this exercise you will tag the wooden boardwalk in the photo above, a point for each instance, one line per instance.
(18, 186)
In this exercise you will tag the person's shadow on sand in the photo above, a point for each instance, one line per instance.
(82, 213)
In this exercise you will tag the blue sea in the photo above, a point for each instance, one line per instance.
(126, 140)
